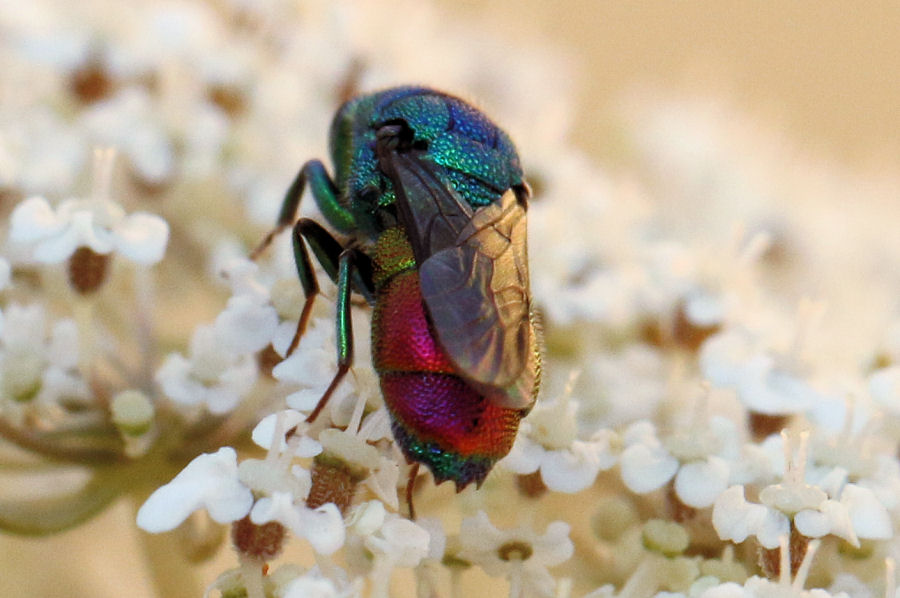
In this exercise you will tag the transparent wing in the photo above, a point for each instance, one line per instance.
(433, 214)
(473, 272)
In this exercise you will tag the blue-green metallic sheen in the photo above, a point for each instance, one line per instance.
(474, 155)
(444, 465)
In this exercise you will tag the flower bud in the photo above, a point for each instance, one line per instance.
(88, 270)
(665, 537)
(531, 484)
(763, 425)
(132, 413)
(261, 542)
(345, 461)
(333, 480)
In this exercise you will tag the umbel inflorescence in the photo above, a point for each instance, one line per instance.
(721, 385)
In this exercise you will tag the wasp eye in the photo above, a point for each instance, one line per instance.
(523, 193)
(399, 136)
(369, 194)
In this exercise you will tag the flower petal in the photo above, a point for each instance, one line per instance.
(525, 455)
(736, 519)
(323, 527)
(699, 483)
(246, 325)
(210, 481)
(142, 238)
(869, 516)
(646, 468)
(571, 471)
(33, 220)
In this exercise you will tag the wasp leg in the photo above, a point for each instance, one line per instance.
(410, 486)
(327, 251)
(325, 193)
(346, 265)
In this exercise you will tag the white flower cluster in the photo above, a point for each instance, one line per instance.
(731, 428)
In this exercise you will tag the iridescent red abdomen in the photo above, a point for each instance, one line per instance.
(438, 418)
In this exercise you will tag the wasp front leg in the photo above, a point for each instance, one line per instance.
(325, 194)
(347, 266)
(327, 251)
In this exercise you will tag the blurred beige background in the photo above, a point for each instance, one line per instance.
(826, 72)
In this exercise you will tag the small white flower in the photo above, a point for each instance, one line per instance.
(5, 273)
(758, 587)
(399, 541)
(367, 518)
(302, 445)
(314, 585)
(764, 383)
(381, 472)
(884, 481)
(884, 386)
(725, 590)
(130, 121)
(210, 481)
(645, 463)
(249, 321)
(631, 385)
(384, 542)
(322, 527)
(37, 368)
(698, 483)
(520, 551)
(869, 518)
(437, 546)
(706, 452)
(703, 308)
(314, 363)
(268, 476)
(376, 426)
(213, 377)
(40, 151)
(735, 519)
(247, 324)
(547, 442)
(102, 225)
(306, 587)
(851, 512)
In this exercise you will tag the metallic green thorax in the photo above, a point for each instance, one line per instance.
(476, 157)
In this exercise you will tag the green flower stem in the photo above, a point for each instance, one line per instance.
(643, 582)
(52, 514)
(172, 575)
(92, 448)
(456, 589)
(145, 299)
(251, 575)
(516, 588)
(83, 312)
